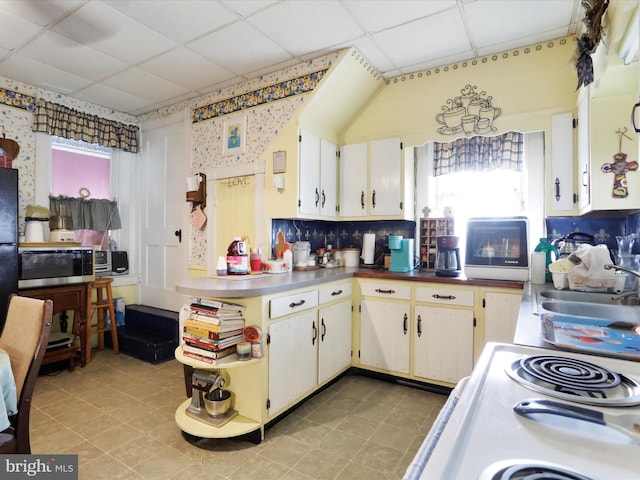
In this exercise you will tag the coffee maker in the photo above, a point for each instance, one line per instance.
(402, 255)
(447, 256)
(209, 402)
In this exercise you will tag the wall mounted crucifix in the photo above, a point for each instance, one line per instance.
(620, 167)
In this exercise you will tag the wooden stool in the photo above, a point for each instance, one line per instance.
(103, 304)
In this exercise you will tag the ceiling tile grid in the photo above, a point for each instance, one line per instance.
(141, 55)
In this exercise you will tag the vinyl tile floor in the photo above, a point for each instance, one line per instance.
(117, 415)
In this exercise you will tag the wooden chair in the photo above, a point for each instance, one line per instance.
(24, 338)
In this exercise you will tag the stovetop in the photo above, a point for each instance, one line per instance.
(484, 431)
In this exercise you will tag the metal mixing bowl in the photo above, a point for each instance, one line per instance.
(217, 402)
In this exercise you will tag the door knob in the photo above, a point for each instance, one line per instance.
(178, 233)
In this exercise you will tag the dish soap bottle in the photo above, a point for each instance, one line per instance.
(551, 255)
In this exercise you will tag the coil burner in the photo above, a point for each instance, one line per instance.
(530, 470)
(575, 380)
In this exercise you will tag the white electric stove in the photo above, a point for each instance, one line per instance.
(480, 436)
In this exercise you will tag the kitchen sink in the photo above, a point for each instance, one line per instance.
(589, 311)
(591, 297)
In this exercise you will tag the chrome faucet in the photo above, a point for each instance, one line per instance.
(609, 266)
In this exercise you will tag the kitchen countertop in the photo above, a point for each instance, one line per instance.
(243, 286)
(528, 328)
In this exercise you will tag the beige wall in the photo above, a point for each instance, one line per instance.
(528, 84)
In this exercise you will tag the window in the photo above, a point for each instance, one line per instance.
(493, 193)
(80, 169)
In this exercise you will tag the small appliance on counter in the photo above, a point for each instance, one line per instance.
(209, 402)
(497, 248)
(402, 254)
(111, 263)
(448, 256)
(34, 228)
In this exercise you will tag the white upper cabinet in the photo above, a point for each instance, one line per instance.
(317, 192)
(375, 181)
(608, 178)
(563, 199)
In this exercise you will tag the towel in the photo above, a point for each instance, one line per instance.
(589, 274)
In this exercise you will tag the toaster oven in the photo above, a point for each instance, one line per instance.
(497, 248)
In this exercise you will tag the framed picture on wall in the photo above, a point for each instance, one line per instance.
(234, 135)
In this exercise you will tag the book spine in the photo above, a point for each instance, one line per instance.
(201, 332)
(207, 353)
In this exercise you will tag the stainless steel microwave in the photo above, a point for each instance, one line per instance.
(45, 265)
(497, 248)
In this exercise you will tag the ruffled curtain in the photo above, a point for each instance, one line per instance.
(65, 122)
(479, 154)
(87, 214)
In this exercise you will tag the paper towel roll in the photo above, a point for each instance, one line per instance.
(368, 248)
(538, 266)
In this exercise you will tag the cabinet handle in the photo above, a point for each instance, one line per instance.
(324, 198)
(317, 197)
(362, 199)
(419, 326)
(557, 184)
(583, 175)
(324, 329)
(633, 118)
(178, 233)
(405, 323)
(373, 199)
(443, 297)
(315, 333)
(339, 292)
(390, 292)
(296, 304)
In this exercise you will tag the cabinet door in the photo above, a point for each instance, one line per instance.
(384, 335)
(328, 179)
(562, 165)
(293, 360)
(385, 193)
(309, 173)
(353, 180)
(443, 343)
(501, 316)
(334, 325)
(584, 147)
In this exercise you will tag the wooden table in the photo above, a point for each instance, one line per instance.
(65, 298)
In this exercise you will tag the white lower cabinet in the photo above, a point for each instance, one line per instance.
(334, 348)
(384, 335)
(443, 343)
(293, 360)
(501, 316)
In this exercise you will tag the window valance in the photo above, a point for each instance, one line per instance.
(479, 154)
(87, 214)
(66, 122)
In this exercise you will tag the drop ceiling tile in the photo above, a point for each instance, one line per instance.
(15, 31)
(375, 15)
(140, 83)
(34, 73)
(53, 49)
(409, 44)
(305, 27)
(240, 48)
(492, 22)
(118, 100)
(179, 21)
(186, 68)
(247, 7)
(372, 52)
(40, 12)
(112, 33)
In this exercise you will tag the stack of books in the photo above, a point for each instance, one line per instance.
(212, 331)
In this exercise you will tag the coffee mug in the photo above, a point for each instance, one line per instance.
(451, 118)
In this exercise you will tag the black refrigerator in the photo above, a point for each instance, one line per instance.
(8, 238)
